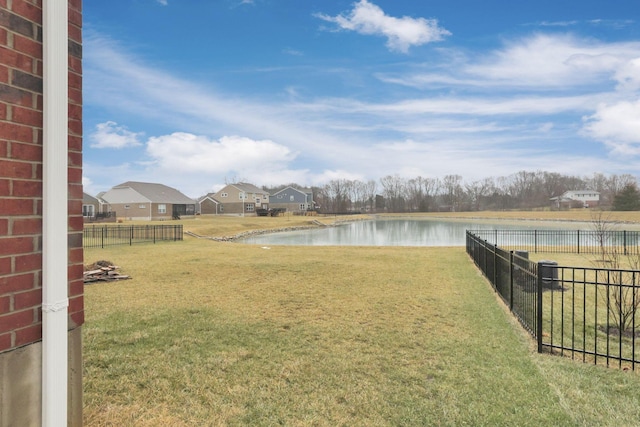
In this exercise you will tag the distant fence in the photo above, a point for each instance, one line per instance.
(99, 236)
(563, 241)
(588, 313)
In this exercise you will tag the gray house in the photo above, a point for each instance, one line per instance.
(148, 201)
(292, 199)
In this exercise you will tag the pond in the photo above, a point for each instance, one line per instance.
(390, 232)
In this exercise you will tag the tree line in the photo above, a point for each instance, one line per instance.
(521, 190)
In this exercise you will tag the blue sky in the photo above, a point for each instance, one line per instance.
(198, 93)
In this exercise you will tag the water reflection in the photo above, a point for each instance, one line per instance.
(391, 232)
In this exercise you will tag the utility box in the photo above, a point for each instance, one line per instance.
(548, 271)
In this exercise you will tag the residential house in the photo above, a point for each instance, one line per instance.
(208, 205)
(241, 199)
(148, 201)
(576, 198)
(292, 200)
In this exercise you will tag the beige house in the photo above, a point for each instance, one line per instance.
(240, 199)
(148, 201)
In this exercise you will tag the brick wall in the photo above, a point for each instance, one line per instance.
(21, 139)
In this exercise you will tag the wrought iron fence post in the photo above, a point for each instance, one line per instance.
(539, 307)
(535, 241)
(624, 241)
(131, 236)
(578, 241)
(511, 280)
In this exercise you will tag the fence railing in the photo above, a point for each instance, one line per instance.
(592, 314)
(564, 241)
(99, 236)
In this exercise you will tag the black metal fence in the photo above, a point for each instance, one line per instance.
(99, 236)
(587, 313)
(564, 241)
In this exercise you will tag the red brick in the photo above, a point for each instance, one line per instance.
(27, 46)
(75, 95)
(5, 187)
(4, 227)
(16, 320)
(10, 207)
(21, 282)
(29, 299)
(4, 74)
(75, 17)
(5, 304)
(30, 262)
(76, 287)
(5, 267)
(15, 245)
(75, 206)
(75, 112)
(27, 10)
(76, 319)
(76, 255)
(75, 81)
(3, 36)
(76, 304)
(26, 226)
(75, 5)
(74, 240)
(27, 116)
(4, 150)
(14, 95)
(14, 59)
(27, 152)
(5, 342)
(75, 127)
(27, 188)
(75, 175)
(12, 169)
(75, 65)
(75, 143)
(76, 223)
(75, 271)
(75, 158)
(28, 335)
(3, 112)
(16, 132)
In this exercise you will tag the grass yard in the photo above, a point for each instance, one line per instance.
(216, 333)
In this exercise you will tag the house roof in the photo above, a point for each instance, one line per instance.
(89, 199)
(132, 191)
(248, 188)
(299, 190)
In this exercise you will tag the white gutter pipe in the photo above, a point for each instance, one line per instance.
(55, 298)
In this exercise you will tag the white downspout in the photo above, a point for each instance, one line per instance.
(55, 298)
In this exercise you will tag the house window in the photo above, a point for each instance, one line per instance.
(291, 198)
(224, 194)
(250, 207)
(142, 206)
(162, 209)
(221, 208)
(303, 207)
(127, 206)
(88, 210)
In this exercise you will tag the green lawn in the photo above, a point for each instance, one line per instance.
(213, 333)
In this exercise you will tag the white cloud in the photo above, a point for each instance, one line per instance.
(536, 62)
(163, 2)
(401, 33)
(618, 125)
(185, 152)
(110, 135)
